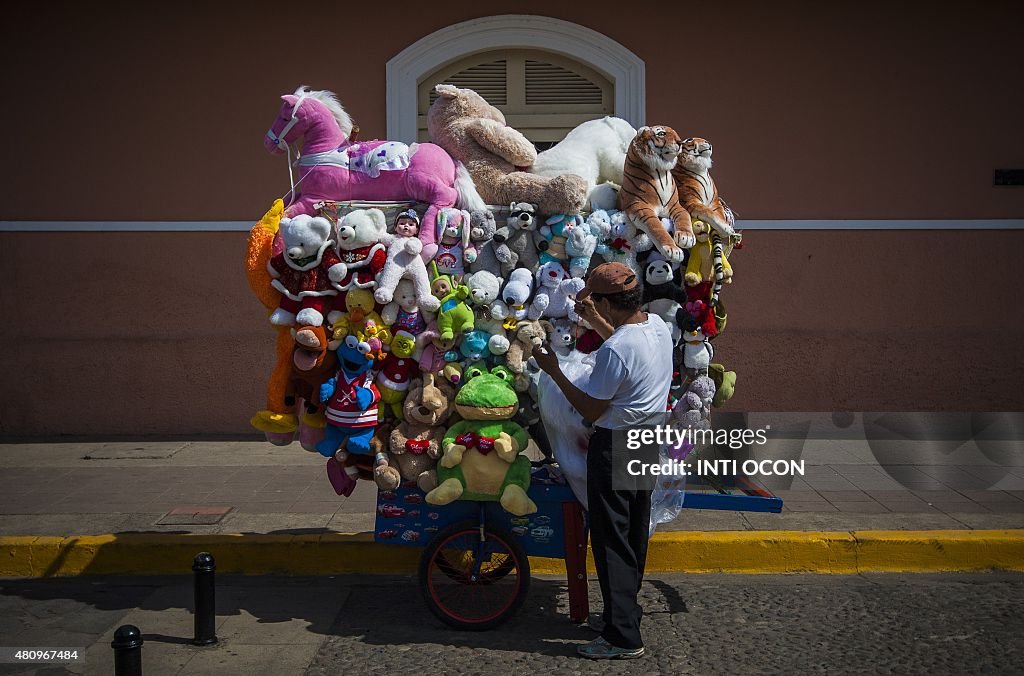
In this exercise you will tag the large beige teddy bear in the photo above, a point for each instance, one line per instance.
(474, 132)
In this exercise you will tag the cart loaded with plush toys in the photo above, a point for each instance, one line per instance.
(407, 307)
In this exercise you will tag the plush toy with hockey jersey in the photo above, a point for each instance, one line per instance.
(351, 410)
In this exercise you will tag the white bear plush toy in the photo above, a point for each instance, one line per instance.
(596, 152)
(360, 249)
(304, 271)
(484, 288)
(555, 292)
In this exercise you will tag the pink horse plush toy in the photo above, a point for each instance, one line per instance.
(331, 167)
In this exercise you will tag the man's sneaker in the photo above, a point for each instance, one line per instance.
(600, 649)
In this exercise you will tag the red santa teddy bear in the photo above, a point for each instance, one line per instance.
(396, 372)
(361, 249)
(304, 271)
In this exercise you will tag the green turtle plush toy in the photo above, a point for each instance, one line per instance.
(481, 458)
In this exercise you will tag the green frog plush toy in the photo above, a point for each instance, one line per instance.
(481, 458)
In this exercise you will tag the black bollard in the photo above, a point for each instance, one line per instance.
(205, 612)
(127, 645)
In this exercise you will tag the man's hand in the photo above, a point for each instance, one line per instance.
(586, 310)
(546, 358)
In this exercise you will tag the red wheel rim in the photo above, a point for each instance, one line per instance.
(449, 590)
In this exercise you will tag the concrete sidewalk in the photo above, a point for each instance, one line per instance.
(210, 487)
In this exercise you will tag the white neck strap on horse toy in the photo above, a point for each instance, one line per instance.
(278, 140)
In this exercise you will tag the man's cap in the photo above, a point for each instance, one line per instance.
(608, 279)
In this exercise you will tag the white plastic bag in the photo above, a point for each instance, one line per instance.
(567, 431)
(569, 436)
(669, 492)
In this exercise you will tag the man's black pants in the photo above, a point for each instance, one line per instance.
(619, 524)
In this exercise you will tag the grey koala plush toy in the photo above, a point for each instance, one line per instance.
(481, 232)
(517, 242)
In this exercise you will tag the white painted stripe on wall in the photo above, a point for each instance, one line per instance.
(127, 226)
(872, 224)
(780, 224)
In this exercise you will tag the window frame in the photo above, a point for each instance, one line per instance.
(617, 64)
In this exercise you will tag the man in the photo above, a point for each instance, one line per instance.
(629, 386)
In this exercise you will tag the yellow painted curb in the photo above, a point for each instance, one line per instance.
(677, 552)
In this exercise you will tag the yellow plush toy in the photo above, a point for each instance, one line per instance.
(359, 317)
(701, 265)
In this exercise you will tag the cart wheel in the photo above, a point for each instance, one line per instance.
(461, 599)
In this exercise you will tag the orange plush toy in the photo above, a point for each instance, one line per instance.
(278, 421)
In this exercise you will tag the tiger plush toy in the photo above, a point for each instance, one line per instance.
(697, 190)
(649, 195)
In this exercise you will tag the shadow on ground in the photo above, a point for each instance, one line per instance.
(378, 610)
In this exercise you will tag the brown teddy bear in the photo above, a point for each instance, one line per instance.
(529, 334)
(415, 444)
(313, 364)
(497, 156)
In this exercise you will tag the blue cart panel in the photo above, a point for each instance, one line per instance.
(405, 518)
(730, 493)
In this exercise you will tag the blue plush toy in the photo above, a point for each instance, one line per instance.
(351, 398)
(474, 346)
(554, 232)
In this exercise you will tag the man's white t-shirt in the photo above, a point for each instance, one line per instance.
(633, 370)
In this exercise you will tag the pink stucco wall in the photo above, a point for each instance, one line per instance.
(157, 333)
(862, 111)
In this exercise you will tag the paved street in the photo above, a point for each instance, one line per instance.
(954, 623)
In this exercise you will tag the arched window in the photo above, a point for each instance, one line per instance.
(541, 94)
(546, 75)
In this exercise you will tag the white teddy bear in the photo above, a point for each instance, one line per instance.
(304, 271)
(484, 287)
(360, 248)
(555, 292)
(600, 222)
(623, 240)
(580, 244)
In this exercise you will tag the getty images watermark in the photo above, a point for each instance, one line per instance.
(915, 450)
(643, 453)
